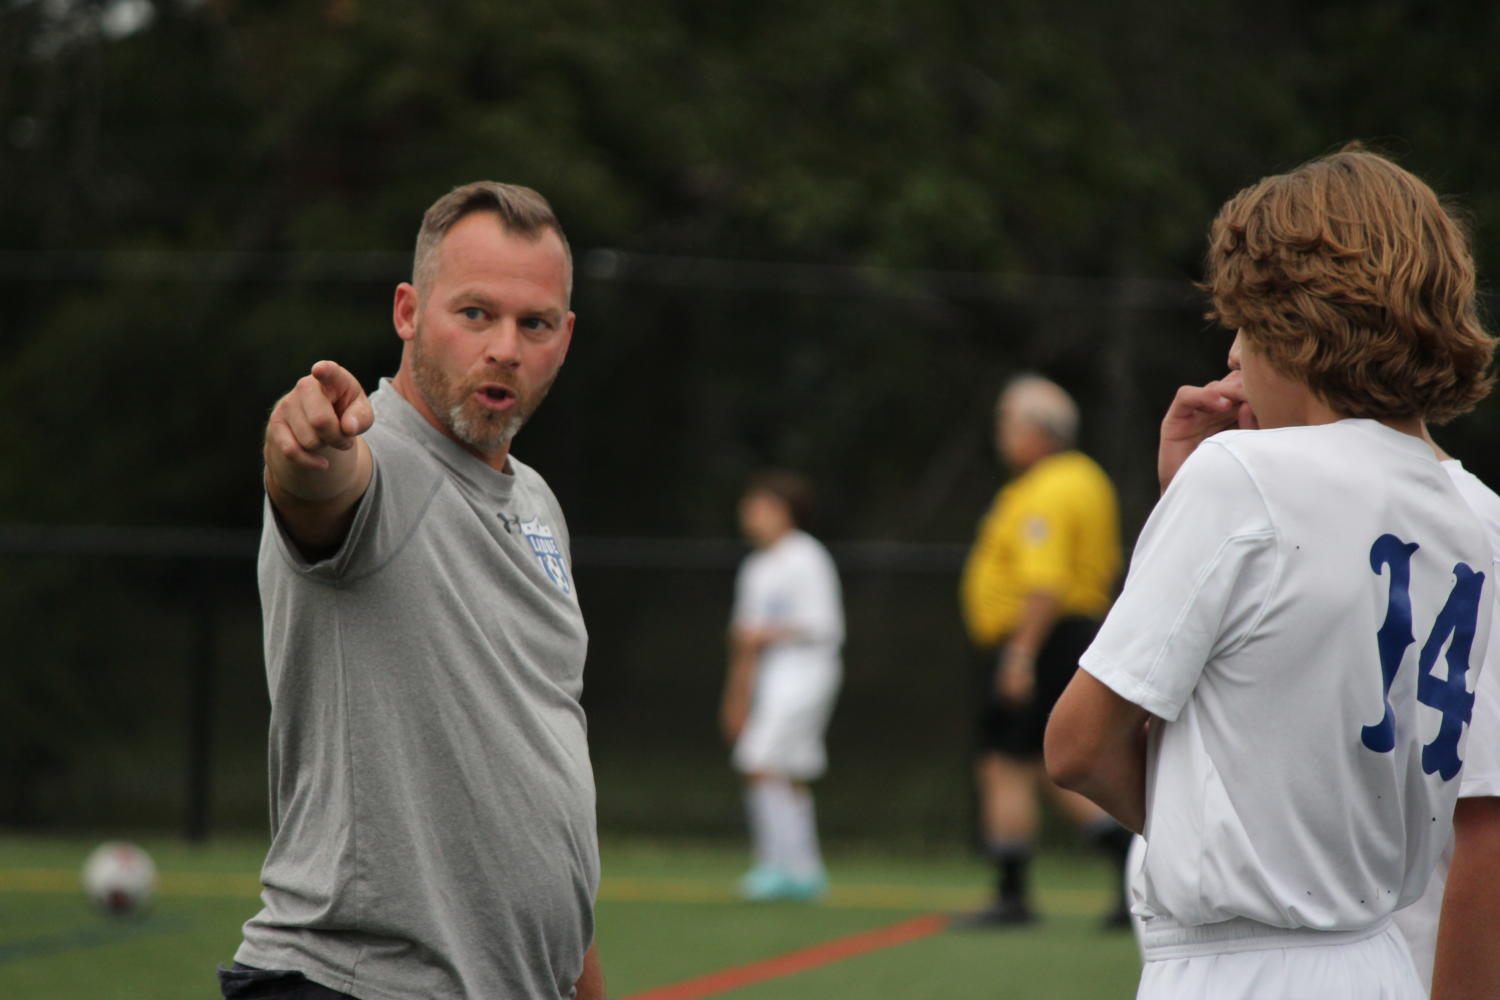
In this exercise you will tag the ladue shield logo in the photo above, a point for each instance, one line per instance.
(544, 546)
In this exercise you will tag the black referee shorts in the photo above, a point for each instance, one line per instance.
(1016, 730)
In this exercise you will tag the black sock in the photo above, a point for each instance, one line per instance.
(1114, 841)
(1011, 867)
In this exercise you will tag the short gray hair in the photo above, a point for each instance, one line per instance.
(520, 210)
(1044, 404)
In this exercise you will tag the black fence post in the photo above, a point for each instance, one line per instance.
(200, 709)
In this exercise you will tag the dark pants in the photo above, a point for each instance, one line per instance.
(243, 982)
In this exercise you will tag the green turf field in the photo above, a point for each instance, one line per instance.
(667, 916)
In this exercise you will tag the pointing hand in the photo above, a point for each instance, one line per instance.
(326, 410)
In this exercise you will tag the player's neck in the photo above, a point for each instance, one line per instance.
(1312, 411)
(768, 541)
(1437, 449)
(1293, 404)
(1410, 425)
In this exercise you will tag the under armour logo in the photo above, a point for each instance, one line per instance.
(511, 523)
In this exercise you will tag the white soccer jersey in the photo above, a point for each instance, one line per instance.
(793, 584)
(1285, 597)
(1481, 773)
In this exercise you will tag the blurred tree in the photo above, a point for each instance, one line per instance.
(817, 235)
(206, 196)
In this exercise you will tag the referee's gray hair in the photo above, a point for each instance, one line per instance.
(1044, 404)
(520, 210)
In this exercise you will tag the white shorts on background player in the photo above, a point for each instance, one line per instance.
(792, 584)
(1481, 773)
(1249, 623)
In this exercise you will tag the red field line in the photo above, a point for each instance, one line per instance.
(797, 961)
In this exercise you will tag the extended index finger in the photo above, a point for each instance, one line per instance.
(337, 381)
(348, 397)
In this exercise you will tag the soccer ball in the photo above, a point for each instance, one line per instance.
(120, 878)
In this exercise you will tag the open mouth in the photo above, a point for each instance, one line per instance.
(498, 396)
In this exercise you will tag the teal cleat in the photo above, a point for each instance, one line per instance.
(804, 890)
(766, 884)
(761, 884)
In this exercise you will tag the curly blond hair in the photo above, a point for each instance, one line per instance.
(1349, 274)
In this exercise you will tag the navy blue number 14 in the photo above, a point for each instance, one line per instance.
(1449, 696)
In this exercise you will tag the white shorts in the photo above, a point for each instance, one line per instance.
(789, 713)
(1286, 965)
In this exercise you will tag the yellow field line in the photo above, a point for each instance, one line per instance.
(613, 889)
(852, 896)
(201, 884)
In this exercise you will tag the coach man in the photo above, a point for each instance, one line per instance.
(432, 801)
(1038, 580)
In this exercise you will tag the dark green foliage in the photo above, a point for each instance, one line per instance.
(1003, 142)
(833, 228)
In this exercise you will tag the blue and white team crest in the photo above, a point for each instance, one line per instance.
(544, 545)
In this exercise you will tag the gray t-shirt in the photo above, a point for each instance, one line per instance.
(432, 801)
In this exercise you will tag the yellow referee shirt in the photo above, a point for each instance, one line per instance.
(1054, 528)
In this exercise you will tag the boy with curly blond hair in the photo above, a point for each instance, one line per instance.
(1306, 610)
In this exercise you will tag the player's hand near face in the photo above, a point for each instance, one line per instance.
(317, 468)
(1199, 412)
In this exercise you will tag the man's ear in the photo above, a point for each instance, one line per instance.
(567, 333)
(404, 310)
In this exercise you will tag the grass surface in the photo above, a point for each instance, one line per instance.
(666, 914)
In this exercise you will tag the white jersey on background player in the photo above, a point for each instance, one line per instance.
(791, 585)
(1289, 789)
(1481, 773)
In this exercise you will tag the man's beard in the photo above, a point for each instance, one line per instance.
(480, 429)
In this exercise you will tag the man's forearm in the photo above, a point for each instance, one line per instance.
(591, 981)
(741, 679)
(1017, 668)
(319, 525)
(1034, 625)
(1038, 615)
(347, 472)
(317, 463)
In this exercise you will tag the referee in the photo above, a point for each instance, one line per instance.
(1037, 582)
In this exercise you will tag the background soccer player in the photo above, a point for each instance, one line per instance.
(784, 674)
